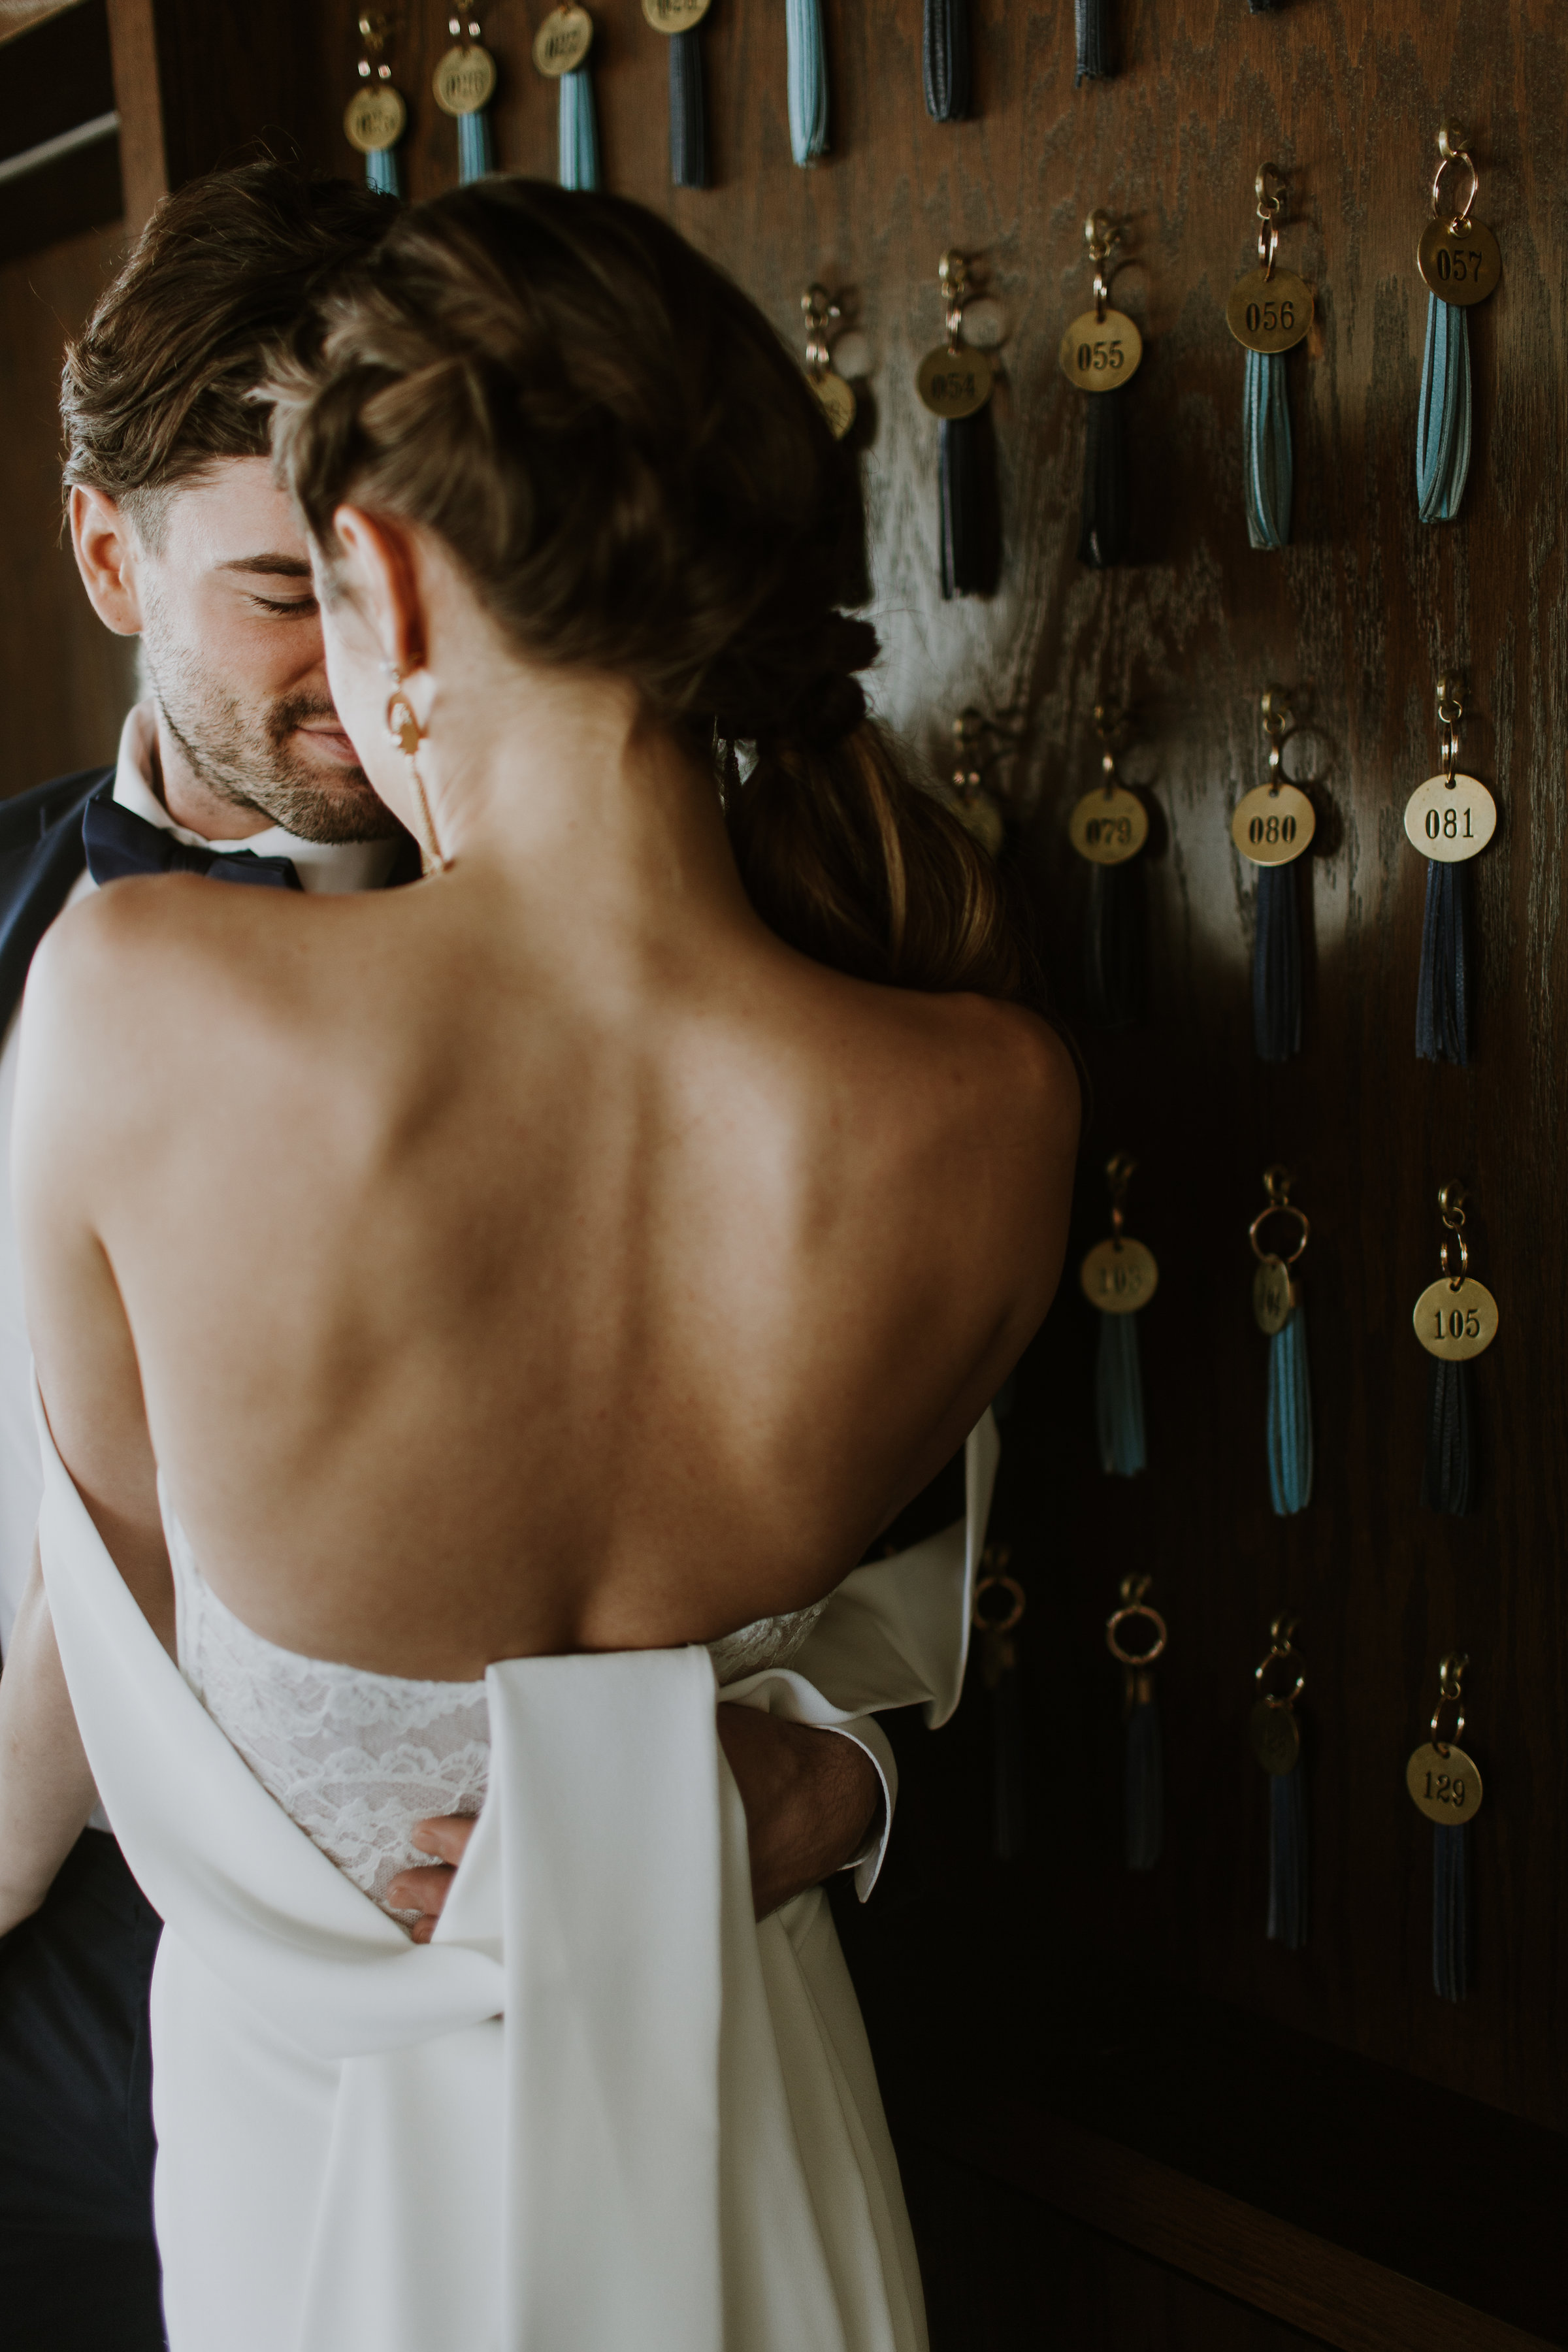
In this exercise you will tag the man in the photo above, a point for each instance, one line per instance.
(235, 766)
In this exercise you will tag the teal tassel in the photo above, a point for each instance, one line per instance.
(1118, 1398)
(579, 132)
(381, 172)
(1450, 1910)
(1289, 1418)
(1442, 435)
(1269, 462)
(808, 79)
(688, 111)
(474, 154)
(1143, 1776)
(1287, 1857)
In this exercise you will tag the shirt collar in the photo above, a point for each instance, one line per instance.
(331, 867)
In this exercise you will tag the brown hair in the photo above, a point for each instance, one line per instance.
(162, 381)
(612, 440)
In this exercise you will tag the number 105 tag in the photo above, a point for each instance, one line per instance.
(1450, 821)
(1456, 1319)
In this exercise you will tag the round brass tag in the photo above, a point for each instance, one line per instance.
(1459, 260)
(1450, 821)
(954, 383)
(1119, 1276)
(837, 402)
(674, 16)
(1274, 1296)
(465, 79)
(1447, 1789)
(562, 42)
(1456, 1320)
(1273, 824)
(1269, 314)
(374, 118)
(1275, 1737)
(1096, 354)
(1107, 826)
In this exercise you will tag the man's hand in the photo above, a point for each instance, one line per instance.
(810, 1798)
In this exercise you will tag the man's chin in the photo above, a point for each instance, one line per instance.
(341, 806)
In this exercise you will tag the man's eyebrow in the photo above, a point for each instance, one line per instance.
(278, 567)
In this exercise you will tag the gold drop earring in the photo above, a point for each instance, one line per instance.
(402, 728)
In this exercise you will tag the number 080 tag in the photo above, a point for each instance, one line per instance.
(1450, 821)
(1274, 823)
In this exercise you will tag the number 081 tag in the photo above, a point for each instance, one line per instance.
(1096, 354)
(1450, 820)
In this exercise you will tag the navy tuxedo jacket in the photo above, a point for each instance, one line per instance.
(41, 854)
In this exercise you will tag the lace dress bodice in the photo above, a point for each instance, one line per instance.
(357, 1759)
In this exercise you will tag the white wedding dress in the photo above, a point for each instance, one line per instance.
(603, 2110)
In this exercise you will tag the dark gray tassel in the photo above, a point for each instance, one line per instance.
(1093, 40)
(688, 111)
(971, 541)
(1115, 976)
(1288, 1858)
(1144, 1781)
(1277, 965)
(1450, 1911)
(1443, 993)
(1007, 1813)
(1103, 530)
(946, 59)
(1448, 1480)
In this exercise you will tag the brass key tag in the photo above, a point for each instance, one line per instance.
(465, 79)
(834, 397)
(1273, 824)
(1450, 817)
(1102, 348)
(1455, 1316)
(562, 42)
(675, 16)
(1444, 1784)
(1458, 257)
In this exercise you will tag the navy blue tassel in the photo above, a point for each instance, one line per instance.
(1277, 965)
(945, 60)
(1450, 1910)
(1102, 526)
(1118, 1398)
(688, 111)
(971, 541)
(1289, 1418)
(1093, 40)
(1443, 433)
(1288, 1858)
(1443, 993)
(381, 172)
(1448, 1480)
(1268, 462)
(1115, 978)
(1143, 1777)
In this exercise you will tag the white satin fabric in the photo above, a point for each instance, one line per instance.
(604, 2111)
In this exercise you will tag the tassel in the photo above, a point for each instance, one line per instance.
(1442, 995)
(1268, 462)
(1102, 531)
(687, 110)
(1288, 1858)
(1443, 433)
(1265, 7)
(1277, 965)
(1093, 40)
(1450, 1910)
(1118, 1398)
(970, 537)
(1114, 964)
(1448, 1480)
(579, 133)
(1289, 1418)
(381, 172)
(475, 157)
(808, 79)
(1143, 1773)
(946, 59)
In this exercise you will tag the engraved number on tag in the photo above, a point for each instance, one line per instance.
(674, 16)
(1273, 824)
(1445, 1785)
(1456, 1320)
(1107, 826)
(1119, 1276)
(1450, 821)
(954, 383)
(374, 118)
(1274, 1296)
(465, 79)
(562, 42)
(1459, 261)
(1269, 314)
(1096, 354)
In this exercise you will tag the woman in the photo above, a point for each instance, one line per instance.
(616, 1229)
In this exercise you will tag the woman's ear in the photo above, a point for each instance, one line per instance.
(380, 572)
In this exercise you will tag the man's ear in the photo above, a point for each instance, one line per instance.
(104, 543)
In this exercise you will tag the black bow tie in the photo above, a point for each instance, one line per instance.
(119, 842)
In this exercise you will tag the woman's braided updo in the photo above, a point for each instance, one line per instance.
(613, 442)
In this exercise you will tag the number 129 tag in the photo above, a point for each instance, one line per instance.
(1450, 821)
(1444, 1784)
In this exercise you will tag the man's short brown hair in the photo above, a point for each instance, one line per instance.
(157, 387)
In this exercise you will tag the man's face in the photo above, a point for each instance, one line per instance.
(232, 639)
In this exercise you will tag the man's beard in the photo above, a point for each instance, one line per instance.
(243, 756)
